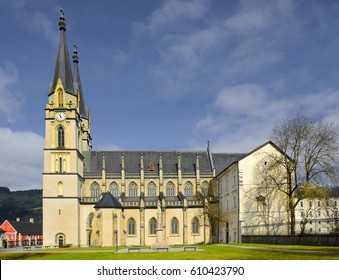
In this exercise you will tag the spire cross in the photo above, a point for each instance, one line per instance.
(62, 23)
(75, 54)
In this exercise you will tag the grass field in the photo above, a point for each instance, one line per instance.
(211, 252)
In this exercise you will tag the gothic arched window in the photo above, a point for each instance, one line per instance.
(174, 226)
(153, 226)
(95, 190)
(131, 226)
(204, 188)
(170, 189)
(60, 98)
(195, 225)
(61, 137)
(151, 189)
(188, 190)
(114, 189)
(133, 189)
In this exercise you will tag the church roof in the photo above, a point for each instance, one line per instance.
(108, 201)
(170, 161)
(63, 68)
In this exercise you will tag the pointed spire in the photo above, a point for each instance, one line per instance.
(63, 69)
(77, 83)
(210, 157)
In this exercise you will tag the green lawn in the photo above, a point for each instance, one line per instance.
(211, 252)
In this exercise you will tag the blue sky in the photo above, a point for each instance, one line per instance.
(167, 75)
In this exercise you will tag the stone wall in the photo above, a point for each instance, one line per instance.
(316, 239)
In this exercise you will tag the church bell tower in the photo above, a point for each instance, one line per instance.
(67, 136)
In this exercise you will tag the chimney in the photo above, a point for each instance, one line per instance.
(31, 220)
(18, 219)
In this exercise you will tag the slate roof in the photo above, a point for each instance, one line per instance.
(94, 160)
(27, 227)
(108, 201)
(223, 160)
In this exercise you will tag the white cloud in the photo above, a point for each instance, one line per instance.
(33, 19)
(243, 116)
(10, 102)
(173, 12)
(21, 161)
(108, 147)
(249, 20)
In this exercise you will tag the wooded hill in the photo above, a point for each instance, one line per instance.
(20, 204)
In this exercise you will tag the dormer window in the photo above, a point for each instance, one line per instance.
(151, 167)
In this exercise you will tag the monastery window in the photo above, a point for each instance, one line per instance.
(133, 189)
(95, 190)
(170, 189)
(261, 203)
(195, 225)
(151, 189)
(174, 226)
(131, 226)
(188, 190)
(114, 189)
(319, 203)
(61, 137)
(153, 226)
(310, 204)
(233, 185)
(234, 202)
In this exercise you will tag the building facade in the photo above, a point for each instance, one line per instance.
(20, 233)
(110, 198)
(105, 198)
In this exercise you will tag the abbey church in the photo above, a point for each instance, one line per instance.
(110, 198)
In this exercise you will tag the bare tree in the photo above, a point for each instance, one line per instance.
(264, 199)
(309, 153)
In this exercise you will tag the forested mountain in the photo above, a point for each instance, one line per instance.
(20, 204)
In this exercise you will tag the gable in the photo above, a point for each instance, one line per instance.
(7, 227)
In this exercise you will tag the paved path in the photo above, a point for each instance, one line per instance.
(125, 250)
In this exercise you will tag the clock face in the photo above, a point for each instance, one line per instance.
(60, 116)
